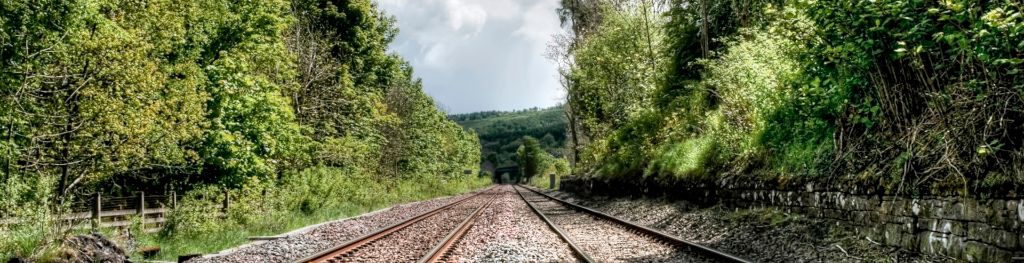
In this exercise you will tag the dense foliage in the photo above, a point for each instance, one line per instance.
(114, 97)
(501, 133)
(899, 96)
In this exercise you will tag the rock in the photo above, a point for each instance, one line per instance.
(92, 248)
(149, 251)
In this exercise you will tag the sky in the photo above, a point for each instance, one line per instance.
(476, 55)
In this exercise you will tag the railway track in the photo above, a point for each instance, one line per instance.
(433, 236)
(599, 237)
(411, 239)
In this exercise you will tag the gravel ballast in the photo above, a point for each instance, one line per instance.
(508, 231)
(606, 241)
(761, 235)
(414, 241)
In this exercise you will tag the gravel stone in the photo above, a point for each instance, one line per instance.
(414, 241)
(508, 231)
(606, 241)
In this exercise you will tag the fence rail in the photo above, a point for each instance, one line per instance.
(118, 212)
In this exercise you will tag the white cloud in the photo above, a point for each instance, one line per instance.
(461, 14)
(537, 22)
(479, 54)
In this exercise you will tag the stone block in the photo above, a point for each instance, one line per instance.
(990, 235)
(807, 199)
(986, 210)
(893, 235)
(836, 214)
(944, 226)
(886, 208)
(869, 231)
(863, 203)
(791, 198)
(972, 211)
(926, 224)
(1020, 241)
(837, 200)
(902, 207)
(908, 240)
(942, 244)
(883, 217)
(937, 209)
(953, 211)
(922, 205)
(861, 217)
(1016, 210)
(974, 251)
(999, 214)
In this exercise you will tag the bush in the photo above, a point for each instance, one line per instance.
(35, 229)
(937, 83)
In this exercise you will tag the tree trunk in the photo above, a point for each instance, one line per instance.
(572, 129)
(704, 45)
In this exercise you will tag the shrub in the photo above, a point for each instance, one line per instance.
(34, 228)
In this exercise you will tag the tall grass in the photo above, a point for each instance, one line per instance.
(33, 228)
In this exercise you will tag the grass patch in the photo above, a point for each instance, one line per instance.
(685, 159)
(543, 183)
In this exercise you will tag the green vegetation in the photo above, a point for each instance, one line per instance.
(543, 182)
(903, 97)
(501, 133)
(530, 157)
(299, 98)
(311, 196)
(535, 162)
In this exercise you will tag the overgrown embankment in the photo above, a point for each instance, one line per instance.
(906, 98)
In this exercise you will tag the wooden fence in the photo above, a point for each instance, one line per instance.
(118, 212)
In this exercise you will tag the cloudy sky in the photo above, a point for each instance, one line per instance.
(478, 55)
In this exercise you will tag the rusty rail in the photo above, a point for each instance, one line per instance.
(442, 248)
(652, 232)
(351, 245)
(575, 248)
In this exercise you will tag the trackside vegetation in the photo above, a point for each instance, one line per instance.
(294, 107)
(898, 97)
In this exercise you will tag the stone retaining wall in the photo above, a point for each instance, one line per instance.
(989, 230)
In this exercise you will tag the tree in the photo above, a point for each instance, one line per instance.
(530, 158)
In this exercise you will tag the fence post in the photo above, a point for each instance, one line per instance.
(551, 181)
(96, 206)
(174, 200)
(140, 209)
(227, 200)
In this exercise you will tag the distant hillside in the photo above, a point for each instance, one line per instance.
(501, 132)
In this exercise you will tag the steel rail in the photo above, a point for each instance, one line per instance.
(655, 233)
(333, 252)
(572, 245)
(448, 242)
